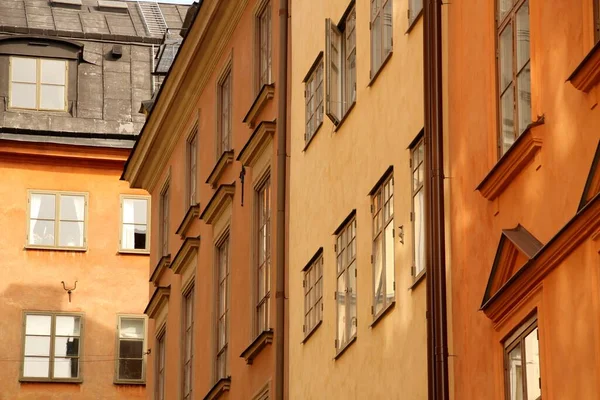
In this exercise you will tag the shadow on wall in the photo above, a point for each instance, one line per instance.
(96, 363)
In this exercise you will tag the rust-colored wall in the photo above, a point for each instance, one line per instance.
(108, 283)
(543, 197)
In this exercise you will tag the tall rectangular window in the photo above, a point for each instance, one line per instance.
(514, 70)
(38, 84)
(224, 110)
(341, 66)
(414, 10)
(596, 21)
(381, 32)
(345, 295)
(313, 96)
(264, 45)
(313, 295)
(522, 364)
(131, 347)
(134, 223)
(418, 208)
(160, 366)
(192, 169)
(164, 217)
(57, 220)
(263, 276)
(222, 368)
(51, 347)
(382, 212)
(188, 343)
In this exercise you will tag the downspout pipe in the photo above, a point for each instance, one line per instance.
(281, 191)
(437, 325)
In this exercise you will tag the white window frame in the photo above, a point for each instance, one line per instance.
(346, 271)
(313, 99)
(57, 220)
(118, 358)
(313, 295)
(377, 23)
(38, 84)
(146, 249)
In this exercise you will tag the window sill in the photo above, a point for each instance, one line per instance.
(126, 383)
(311, 332)
(266, 93)
(418, 279)
(52, 248)
(135, 252)
(312, 137)
(383, 313)
(523, 150)
(337, 127)
(587, 73)
(265, 338)
(411, 24)
(218, 389)
(385, 61)
(345, 347)
(48, 380)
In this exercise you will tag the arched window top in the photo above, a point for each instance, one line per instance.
(37, 46)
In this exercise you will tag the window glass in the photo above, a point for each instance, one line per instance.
(522, 363)
(532, 361)
(53, 72)
(23, 95)
(38, 84)
(415, 7)
(346, 284)
(52, 97)
(23, 69)
(45, 220)
(131, 338)
(135, 223)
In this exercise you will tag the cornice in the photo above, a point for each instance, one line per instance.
(523, 150)
(222, 198)
(261, 341)
(157, 301)
(225, 159)
(187, 250)
(581, 227)
(218, 389)
(192, 213)
(193, 67)
(160, 269)
(267, 92)
(257, 143)
(587, 73)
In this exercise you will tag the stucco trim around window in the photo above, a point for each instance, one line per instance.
(261, 341)
(192, 213)
(257, 143)
(159, 270)
(267, 92)
(587, 74)
(159, 299)
(218, 389)
(225, 159)
(186, 252)
(524, 149)
(220, 201)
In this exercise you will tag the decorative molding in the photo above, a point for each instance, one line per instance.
(218, 203)
(250, 353)
(592, 183)
(579, 229)
(267, 92)
(192, 213)
(587, 73)
(523, 150)
(219, 389)
(159, 270)
(257, 143)
(157, 301)
(225, 159)
(185, 254)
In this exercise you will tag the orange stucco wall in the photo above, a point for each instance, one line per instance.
(542, 197)
(108, 283)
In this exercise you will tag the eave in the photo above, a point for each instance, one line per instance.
(256, 144)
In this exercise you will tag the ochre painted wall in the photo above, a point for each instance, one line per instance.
(108, 283)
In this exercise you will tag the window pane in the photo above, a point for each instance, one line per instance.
(41, 232)
(135, 211)
(23, 95)
(507, 118)
(66, 346)
(53, 71)
(131, 348)
(351, 314)
(341, 310)
(36, 367)
(515, 374)
(506, 57)
(389, 263)
(67, 325)
(415, 8)
(23, 69)
(524, 99)
(130, 369)
(378, 275)
(52, 97)
(42, 206)
(71, 234)
(419, 224)
(532, 365)
(134, 237)
(66, 367)
(37, 345)
(37, 324)
(375, 43)
(72, 208)
(503, 7)
(387, 28)
(522, 35)
(132, 328)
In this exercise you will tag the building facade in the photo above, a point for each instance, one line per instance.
(207, 155)
(73, 74)
(357, 287)
(523, 157)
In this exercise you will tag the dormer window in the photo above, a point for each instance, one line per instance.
(38, 83)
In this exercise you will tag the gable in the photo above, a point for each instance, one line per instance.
(516, 248)
(592, 184)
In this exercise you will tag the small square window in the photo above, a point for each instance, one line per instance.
(38, 83)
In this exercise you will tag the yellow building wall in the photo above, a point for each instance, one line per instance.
(329, 179)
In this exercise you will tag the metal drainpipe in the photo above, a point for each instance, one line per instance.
(281, 190)
(437, 328)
